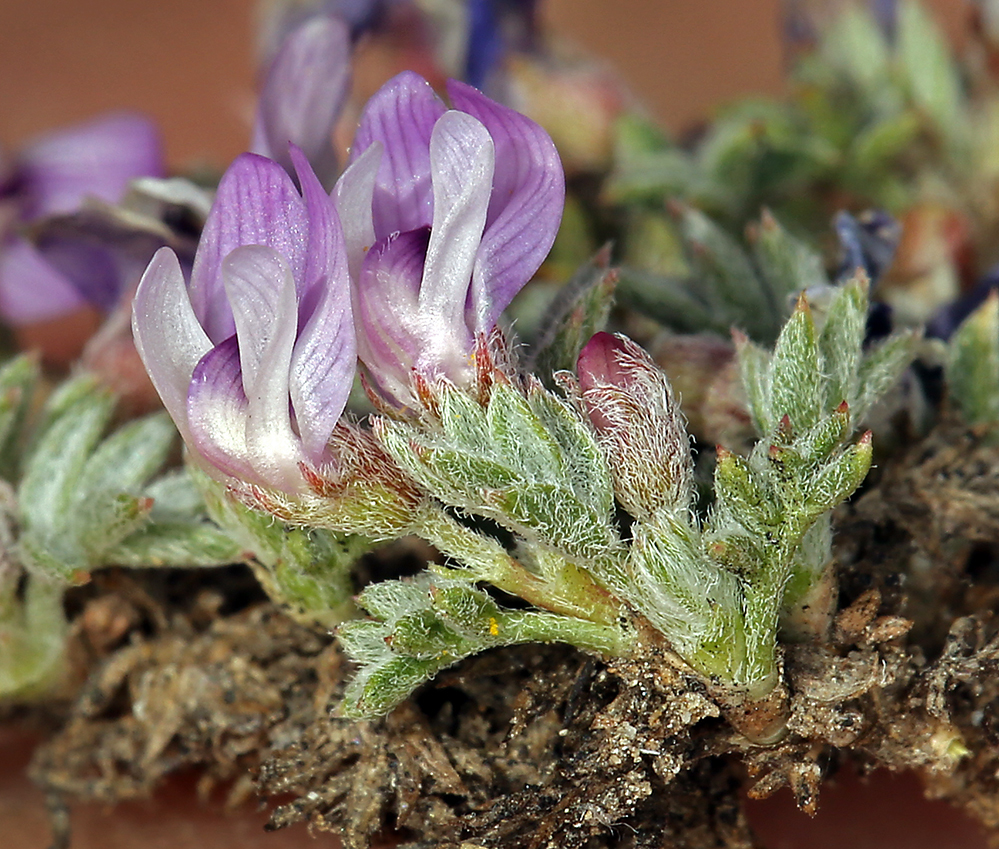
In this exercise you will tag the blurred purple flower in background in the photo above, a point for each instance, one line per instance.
(447, 214)
(279, 18)
(255, 358)
(52, 176)
(496, 27)
(303, 94)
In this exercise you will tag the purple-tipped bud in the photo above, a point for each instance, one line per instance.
(447, 213)
(638, 423)
(255, 359)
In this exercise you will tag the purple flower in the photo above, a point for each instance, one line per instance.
(255, 358)
(303, 94)
(53, 176)
(447, 214)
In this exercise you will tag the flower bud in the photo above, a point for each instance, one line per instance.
(638, 421)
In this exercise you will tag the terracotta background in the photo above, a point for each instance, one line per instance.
(188, 63)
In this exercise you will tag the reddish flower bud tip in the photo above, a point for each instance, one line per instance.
(843, 407)
(599, 361)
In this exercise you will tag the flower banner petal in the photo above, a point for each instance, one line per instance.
(401, 116)
(325, 355)
(256, 204)
(526, 205)
(322, 370)
(325, 258)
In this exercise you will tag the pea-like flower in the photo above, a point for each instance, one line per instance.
(54, 175)
(447, 214)
(254, 359)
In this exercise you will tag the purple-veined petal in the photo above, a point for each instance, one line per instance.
(97, 158)
(322, 370)
(262, 291)
(325, 259)
(255, 279)
(401, 115)
(167, 334)
(256, 204)
(461, 154)
(353, 197)
(390, 329)
(303, 95)
(216, 412)
(31, 289)
(526, 205)
(325, 355)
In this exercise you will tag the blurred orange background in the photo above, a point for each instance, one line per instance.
(189, 63)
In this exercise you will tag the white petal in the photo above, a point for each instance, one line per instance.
(353, 198)
(167, 334)
(462, 162)
(261, 290)
(255, 277)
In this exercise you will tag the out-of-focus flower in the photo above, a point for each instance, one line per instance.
(447, 214)
(577, 100)
(303, 94)
(930, 263)
(52, 176)
(868, 241)
(277, 19)
(495, 27)
(255, 358)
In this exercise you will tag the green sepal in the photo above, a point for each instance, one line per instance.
(972, 368)
(796, 379)
(579, 310)
(18, 381)
(787, 265)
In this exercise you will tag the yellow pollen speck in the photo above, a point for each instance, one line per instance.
(493, 627)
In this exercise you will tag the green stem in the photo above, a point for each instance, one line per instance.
(569, 591)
